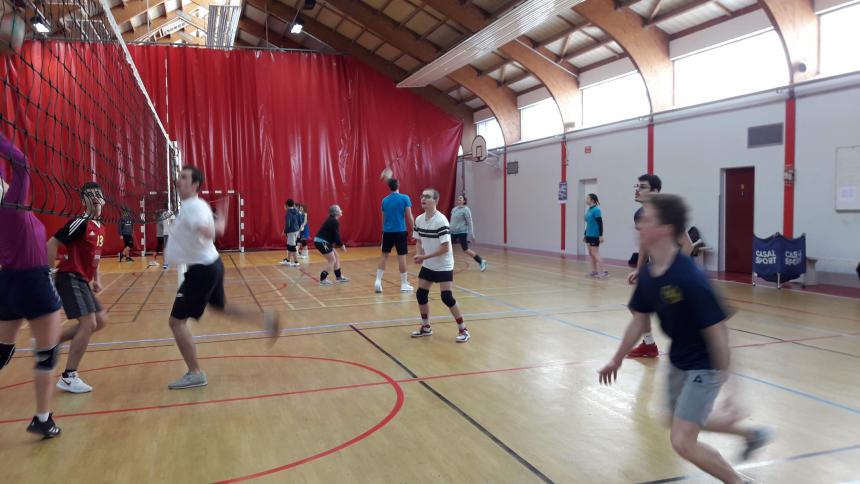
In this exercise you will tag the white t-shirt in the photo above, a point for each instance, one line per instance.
(433, 233)
(186, 245)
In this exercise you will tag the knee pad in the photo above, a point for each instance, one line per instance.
(46, 360)
(448, 299)
(6, 352)
(422, 295)
(291, 248)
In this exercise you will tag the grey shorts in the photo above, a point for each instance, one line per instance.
(692, 393)
(292, 237)
(78, 299)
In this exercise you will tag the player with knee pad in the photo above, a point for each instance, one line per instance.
(292, 226)
(437, 264)
(26, 291)
(78, 281)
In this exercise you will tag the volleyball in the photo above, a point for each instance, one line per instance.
(386, 174)
(12, 28)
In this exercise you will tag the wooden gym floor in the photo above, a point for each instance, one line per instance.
(346, 396)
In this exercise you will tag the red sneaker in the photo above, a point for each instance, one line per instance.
(644, 351)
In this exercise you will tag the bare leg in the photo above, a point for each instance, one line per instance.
(87, 325)
(9, 332)
(185, 342)
(401, 263)
(46, 330)
(593, 258)
(685, 437)
(383, 259)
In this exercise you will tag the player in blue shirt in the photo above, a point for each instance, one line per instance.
(672, 286)
(593, 236)
(396, 211)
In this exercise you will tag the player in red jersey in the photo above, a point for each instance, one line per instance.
(78, 270)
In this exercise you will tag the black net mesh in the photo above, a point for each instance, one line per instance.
(73, 111)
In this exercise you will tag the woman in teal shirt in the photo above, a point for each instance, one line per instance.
(594, 236)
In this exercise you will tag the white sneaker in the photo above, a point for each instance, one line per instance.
(377, 287)
(423, 331)
(483, 265)
(153, 263)
(326, 282)
(73, 384)
(342, 279)
(406, 288)
(463, 336)
(286, 262)
(295, 264)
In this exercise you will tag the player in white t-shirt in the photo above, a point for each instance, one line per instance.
(192, 242)
(434, 253)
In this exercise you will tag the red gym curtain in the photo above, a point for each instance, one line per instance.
(315, 128)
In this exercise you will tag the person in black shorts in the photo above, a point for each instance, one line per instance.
(192, 242)
(79, 270)
(593, 236)
(437, 265)
(26, 291)
(396, 214)
(690, 313)
(327, 238)
(126, 230)
(463, 228)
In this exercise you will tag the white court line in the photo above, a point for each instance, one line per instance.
(293, 282)
(278, 291)
(371, 322)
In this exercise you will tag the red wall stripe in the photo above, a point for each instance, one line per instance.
(564, 179)
(790, 136)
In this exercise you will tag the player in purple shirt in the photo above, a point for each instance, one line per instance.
(26, 290)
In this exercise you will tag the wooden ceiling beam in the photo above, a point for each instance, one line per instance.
(349, 47)
(647, 48)
(797, 25)
(263, 33)
(559, 80)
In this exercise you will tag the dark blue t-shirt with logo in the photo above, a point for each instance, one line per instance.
(686, 304)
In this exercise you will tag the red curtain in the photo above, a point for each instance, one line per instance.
(315, 128)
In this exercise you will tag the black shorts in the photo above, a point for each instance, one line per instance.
(436, 276)
(592, 241)
(463, 239)
(302, 241)
(396, 240)
(128, 241)
(323, 247)
(27, 294)
(78, 299)
(160, 243)
(203, 286)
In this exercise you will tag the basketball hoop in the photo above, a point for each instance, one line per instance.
(479, 148)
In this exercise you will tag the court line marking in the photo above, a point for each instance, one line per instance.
(766, 463)
(528, 465)
(247, 286)
(148, 295)
(296, 283)
(616, 338)
(371, 322)
(272, 286)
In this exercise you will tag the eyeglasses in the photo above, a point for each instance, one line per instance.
(426, 195)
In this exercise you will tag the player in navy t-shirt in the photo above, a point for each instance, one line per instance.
(78, 281)
(672, 286)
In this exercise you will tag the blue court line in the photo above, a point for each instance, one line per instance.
(616, 338)
(766, 463)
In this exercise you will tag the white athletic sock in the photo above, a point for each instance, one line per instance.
(379, 273)
(648, 339)
(43, 417)
(403, 280)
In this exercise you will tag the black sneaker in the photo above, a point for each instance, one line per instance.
(46, 429)
(760, 437)
(129, 259)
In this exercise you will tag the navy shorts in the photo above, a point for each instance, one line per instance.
(323, 247)
(27, 294)
(128, 241)
(592, 241)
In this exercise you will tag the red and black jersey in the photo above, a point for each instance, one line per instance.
(83, 239)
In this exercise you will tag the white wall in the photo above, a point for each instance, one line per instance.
(534, 220)
(616, 161)
(690, 154)
(692, 148)
(824, 123)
